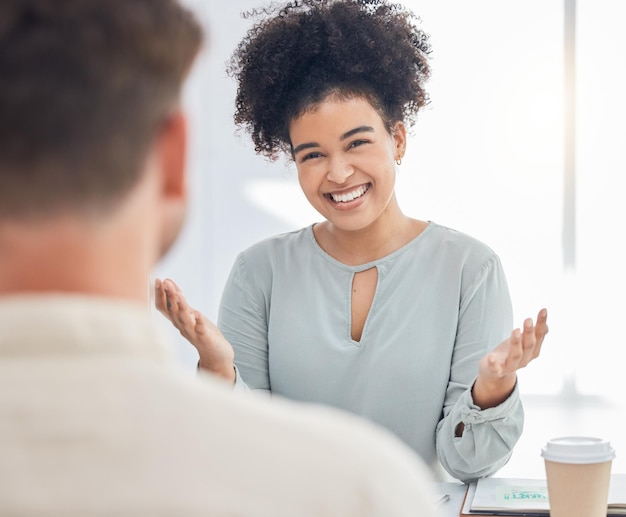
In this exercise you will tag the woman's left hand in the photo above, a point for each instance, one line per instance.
(497, 371)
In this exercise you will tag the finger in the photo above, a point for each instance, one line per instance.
(160, 297)
(515, 352)
(529, 342)
(529, 339)
(495, 367)
(182, 314)
(172, 302)
(168, 287)
(170, 292)
(541, 328)
(199, 322)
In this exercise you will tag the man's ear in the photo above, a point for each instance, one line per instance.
(172, 152)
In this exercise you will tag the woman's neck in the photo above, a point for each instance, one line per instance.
(356, 247)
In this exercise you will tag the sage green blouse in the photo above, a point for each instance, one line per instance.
(441, 303)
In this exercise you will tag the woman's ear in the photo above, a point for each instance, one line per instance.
(398, 133)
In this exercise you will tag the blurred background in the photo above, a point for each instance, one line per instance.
(519, 147)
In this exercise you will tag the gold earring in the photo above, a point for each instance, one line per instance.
(399, 161)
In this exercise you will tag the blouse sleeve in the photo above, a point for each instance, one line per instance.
(485, 320)
(242, 319)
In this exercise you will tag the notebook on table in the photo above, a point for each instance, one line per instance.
(522, 497)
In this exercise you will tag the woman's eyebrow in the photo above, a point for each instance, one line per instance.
(360, 129)
(347, 134)
(302, 147)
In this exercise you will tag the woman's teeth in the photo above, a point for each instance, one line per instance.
(349, 196)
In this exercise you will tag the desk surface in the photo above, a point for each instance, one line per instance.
(456, 491)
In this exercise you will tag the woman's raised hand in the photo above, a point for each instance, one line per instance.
(497, 370)
(216, 354)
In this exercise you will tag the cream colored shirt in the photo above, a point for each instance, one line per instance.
(96, 418)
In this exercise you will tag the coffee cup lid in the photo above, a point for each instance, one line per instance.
(578, 449)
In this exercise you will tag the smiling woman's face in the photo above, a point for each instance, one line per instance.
(345, 159)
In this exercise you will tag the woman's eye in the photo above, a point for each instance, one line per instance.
(357, 143)
(310, 156)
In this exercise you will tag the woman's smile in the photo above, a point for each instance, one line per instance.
(346, 196)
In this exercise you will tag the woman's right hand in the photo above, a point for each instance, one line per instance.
(216, 354)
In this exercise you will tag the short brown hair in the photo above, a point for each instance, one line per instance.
(83, 86)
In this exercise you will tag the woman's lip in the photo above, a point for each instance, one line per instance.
(347, 190)
(346, 205)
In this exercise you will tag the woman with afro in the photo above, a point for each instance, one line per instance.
(405, 322)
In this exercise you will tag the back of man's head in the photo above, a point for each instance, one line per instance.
(84, 86)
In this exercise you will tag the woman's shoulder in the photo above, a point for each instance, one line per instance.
(462, 256)
(277, 248)
(280, 242)
(457, 239)
(450, 244)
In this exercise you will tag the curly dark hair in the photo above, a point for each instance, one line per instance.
(84, 85)
(305, 50)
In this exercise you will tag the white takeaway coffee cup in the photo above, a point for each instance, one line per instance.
(578, 473)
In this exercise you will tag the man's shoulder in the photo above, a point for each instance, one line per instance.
(143, 435)
(318, 455)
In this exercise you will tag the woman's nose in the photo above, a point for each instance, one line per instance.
(339, 171)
